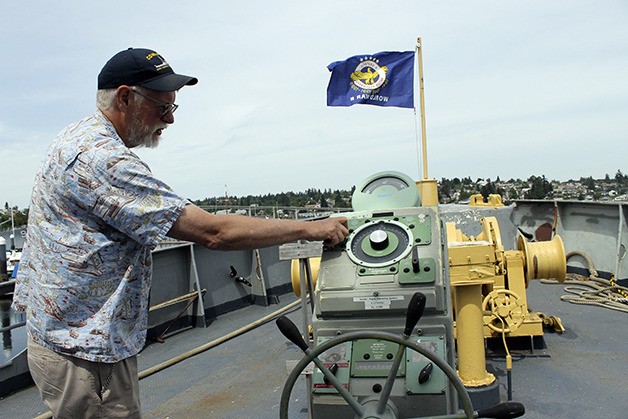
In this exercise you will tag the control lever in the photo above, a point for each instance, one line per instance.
(234, 274)
(290, 331)
(413, 314)
(426, 373)
(416, 267)
(503, 410)
(333, 369)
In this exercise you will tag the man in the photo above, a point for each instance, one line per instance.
(96, 213)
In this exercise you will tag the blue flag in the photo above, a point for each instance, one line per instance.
(382, 79)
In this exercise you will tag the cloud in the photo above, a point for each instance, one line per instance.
(511, 89)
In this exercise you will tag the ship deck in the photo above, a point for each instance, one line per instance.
(577, 374)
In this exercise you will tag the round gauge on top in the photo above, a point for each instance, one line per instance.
(386, 190)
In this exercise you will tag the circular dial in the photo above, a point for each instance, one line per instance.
(379, 243)
(386, 190)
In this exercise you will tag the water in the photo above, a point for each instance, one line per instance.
(14, 340)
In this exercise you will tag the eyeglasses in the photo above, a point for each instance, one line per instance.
(165, 107)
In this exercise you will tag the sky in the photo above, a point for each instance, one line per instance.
(512, 89)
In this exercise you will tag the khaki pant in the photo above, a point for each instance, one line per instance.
(75, 388)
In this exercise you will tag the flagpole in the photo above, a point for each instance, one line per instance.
(428, 188)
(422, 102)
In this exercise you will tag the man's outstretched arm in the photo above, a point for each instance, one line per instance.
(237, 232)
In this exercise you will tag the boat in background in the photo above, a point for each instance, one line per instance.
(13, 261)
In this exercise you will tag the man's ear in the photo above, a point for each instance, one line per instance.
(123, 96)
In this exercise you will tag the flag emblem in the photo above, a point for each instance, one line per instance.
(368, 76)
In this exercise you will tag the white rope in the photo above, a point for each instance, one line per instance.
(593, 290)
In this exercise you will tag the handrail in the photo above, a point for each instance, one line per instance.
(12, 326)
(7, 287)
(179, 299)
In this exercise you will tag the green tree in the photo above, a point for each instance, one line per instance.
(487, 189)
(540, 188)
(464, 194)
(588, 182)
(324, 203)
(20, 217)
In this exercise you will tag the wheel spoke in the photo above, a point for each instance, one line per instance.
(357, 407)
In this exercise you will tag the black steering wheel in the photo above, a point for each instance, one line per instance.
(379, 407)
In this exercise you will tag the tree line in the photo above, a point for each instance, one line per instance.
(449, 190)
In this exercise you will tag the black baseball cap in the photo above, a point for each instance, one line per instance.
(141, 67)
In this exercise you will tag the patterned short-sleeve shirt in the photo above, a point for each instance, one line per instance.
(96, 213)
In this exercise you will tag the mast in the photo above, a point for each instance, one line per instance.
(419, 47)
(428, 188)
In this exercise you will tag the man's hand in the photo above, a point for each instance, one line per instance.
(330, 230)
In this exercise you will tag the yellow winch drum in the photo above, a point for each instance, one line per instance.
(544, 260)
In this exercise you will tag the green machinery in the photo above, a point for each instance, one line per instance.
(373, 360)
